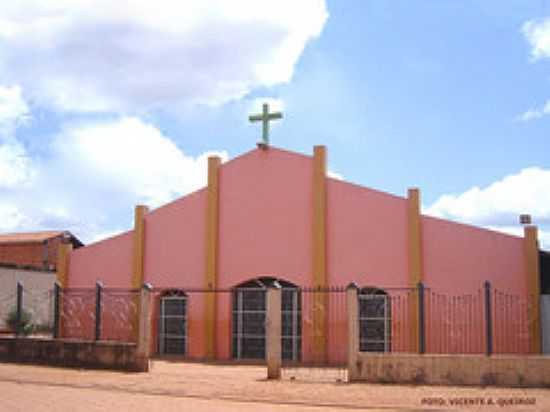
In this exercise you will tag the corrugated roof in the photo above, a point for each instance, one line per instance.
(29, 237)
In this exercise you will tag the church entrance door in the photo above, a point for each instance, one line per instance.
(249, 316)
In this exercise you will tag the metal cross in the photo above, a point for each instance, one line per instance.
(265, 117)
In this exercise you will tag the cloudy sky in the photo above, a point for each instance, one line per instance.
(106, 104)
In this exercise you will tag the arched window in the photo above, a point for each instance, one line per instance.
(249, 315)
(374, 320)
(173, 323)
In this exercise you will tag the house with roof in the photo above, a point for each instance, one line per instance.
(30, 258)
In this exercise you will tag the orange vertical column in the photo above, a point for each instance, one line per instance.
(319, 264)
(138, 254)
(414, 236)
(63, 260)
(532, 269)
(139, 246)
(62, 273)
(211, 264)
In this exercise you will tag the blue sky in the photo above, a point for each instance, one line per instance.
(453, 97)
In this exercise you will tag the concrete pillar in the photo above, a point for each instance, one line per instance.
(414, 236)
(319, 262)
(352, 304)
(144, 338)
(211, 264)
(532, 270)
(273, 351)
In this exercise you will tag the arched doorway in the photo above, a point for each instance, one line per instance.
(249, 315)
(374, 320)
(172, 336)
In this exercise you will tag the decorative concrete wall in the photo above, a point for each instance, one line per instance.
(501, 370)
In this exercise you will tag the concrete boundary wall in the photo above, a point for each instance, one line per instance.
(497, 370)
(79, 354)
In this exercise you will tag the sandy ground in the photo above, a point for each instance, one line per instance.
(172, 386)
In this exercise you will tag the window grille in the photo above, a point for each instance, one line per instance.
(374, 321)
(173, 324)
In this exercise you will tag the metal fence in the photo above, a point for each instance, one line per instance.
(314, 320)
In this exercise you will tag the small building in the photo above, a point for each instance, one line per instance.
(30, 258)
(34, 250)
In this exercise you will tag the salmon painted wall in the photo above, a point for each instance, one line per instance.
(458, 258)
(265, 217)
(366, 244)
(175, 258)
(265, 224)
(108, 260)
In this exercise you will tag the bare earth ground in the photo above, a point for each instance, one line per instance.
(176, 386)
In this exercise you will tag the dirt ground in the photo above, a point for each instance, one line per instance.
(172, 386)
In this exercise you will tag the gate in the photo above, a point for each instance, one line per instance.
(321, 334)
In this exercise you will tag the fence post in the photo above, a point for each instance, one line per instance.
(56, 309)
(19, 309)
(352, 304)
(273, 325)
(98, 287)
(421, 319)
(144, 328)
(488, 318)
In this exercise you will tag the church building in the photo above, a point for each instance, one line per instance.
(274, 216)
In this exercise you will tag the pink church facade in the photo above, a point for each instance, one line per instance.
(266, 227)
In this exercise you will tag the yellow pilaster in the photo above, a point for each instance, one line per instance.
(531, 251)
(137, 263)
(414, 236)
(319, 264)
(211, 264)
(62, 273)
(139, 246)
(63, 256)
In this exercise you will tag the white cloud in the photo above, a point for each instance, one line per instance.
(11, 218)
(15, 166)
(537, 34)
(275, 105)
(499, 205)
(92, 177)
(534, 114)
(133, 157)
(13, 110)
(104, 55)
